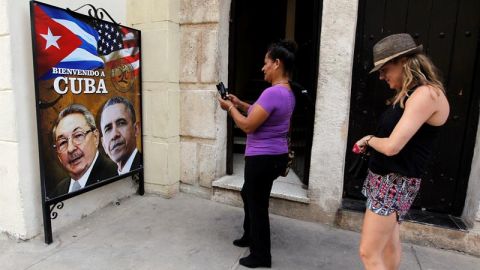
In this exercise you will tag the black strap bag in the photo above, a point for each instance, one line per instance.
(359, 168)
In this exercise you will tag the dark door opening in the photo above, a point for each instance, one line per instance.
(254, 25)
(449, 32)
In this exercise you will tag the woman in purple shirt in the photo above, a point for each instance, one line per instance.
(266, 124)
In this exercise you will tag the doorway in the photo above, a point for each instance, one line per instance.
(254, 25)
(449, 32)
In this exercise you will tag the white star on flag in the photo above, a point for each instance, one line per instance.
(51, 39)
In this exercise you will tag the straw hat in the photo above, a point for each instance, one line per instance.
(392, 47)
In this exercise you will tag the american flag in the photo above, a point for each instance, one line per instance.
(117, 44)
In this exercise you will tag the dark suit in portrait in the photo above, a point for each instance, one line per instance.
(137, 161)
(102, 169)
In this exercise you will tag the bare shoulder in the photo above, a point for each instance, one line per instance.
(428, 92)
(434, 100)
(423, 96)
(427, 95)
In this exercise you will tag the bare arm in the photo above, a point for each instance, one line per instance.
(249, 123)
(255, 118)
(418, 109)
(241, 105)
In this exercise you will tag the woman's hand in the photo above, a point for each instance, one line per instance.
(234, 99)
(362, 143)
(225, 104)
(239, 104)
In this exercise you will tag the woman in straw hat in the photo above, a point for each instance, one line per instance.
(401, 146)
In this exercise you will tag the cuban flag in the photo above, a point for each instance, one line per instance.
(63, 41)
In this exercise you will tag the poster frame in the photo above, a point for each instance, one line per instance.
(50, 207)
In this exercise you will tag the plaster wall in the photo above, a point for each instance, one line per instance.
(471, 212)
(204, 27)
(159, 23)
(20, 196)
(337, 46)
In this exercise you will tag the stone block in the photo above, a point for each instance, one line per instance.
(167, 191)
(165, 106)
(188, 163)
(154, 55)
(139, 11)
(198, 56)
(159, 109)
(147, 116)
(190, 45)
(197, 118)
(8, 126)
(162, 163)
(332, 104)
(173, 163)
(3, 18)
(173, 122)
(173, 50)
(227, 196)
(209, 63)
(166, 10)
(156, 160)
(5, 63)
(199, 11)
(197, 191)
(206, 165)
(160, 53)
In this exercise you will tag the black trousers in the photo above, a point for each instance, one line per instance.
(260, 172)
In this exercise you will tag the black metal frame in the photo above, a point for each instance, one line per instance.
(96, 13)
(50, 206)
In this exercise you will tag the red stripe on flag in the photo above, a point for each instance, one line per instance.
(48, 57)
(130, 41)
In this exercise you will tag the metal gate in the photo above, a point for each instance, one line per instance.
(449, 32)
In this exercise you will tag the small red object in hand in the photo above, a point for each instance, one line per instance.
(356, 149)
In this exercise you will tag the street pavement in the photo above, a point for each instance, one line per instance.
(187, 232)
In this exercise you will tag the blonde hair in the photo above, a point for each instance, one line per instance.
(418, 70)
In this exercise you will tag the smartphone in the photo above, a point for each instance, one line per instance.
(222, 90)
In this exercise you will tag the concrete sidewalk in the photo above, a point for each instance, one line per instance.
(187, 232)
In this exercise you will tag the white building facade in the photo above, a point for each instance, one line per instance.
(185, 52)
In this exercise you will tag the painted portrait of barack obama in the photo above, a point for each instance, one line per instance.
(120, 130)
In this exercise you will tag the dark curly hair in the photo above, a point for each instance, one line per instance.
(284, 50)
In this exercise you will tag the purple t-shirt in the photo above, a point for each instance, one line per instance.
(271, 137)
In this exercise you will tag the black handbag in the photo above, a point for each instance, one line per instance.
(359, 168)
(291, 156)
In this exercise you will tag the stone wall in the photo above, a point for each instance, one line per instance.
(203, 62)
(159, 23)
(20, 195)
(10, 220)
(332, 105)
(471, 212)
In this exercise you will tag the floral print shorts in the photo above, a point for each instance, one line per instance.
(390, 193)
